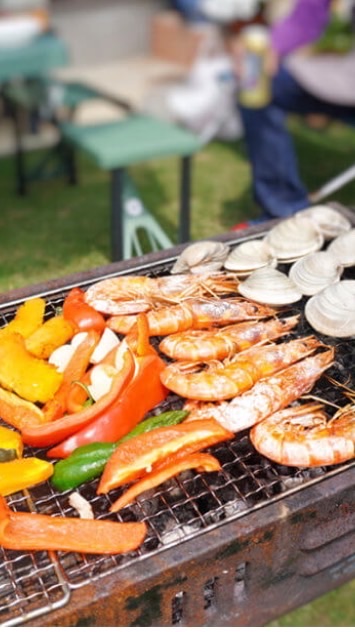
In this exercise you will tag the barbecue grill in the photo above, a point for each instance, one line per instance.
(238, 547)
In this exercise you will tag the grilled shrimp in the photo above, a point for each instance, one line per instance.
(267, 396)
(224, 380)
(194, 313)
(219, 343)
(134, 294)
(303, 436)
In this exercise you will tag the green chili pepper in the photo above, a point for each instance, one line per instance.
(88, 462)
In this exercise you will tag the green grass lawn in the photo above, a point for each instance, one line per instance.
(56, 230)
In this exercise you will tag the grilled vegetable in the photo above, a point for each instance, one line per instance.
(11, 445)
(76, 310)
(32, 378)
(53, 333)
(159, 447)
(39, 532)
(88, 462)
(46, 434)
(140, 395)
(28, 317)
(144, 391)
(74, 371)
(21, 473)
(199, 460)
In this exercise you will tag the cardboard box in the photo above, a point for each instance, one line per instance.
(174, 40)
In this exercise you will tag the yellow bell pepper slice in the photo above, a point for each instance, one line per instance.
(53, 333)
(28, 317)
(11, 444)
(21, 473)
(32, 378)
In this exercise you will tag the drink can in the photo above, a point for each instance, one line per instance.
(254, 82)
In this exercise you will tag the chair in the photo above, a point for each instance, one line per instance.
(117, 145)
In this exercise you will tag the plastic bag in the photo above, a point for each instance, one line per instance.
(206, 104)
(225, 11)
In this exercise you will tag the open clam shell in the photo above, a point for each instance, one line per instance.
(314, 272)
(343, 248)
(270, 286)
(201, 257)
(332, 311)
(327, 220)
(249, 256)
(294, 238)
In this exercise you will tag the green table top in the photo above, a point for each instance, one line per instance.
(131, 140)
(34, 59)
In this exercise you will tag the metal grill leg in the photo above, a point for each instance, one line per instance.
(117, 184)
(185, 185)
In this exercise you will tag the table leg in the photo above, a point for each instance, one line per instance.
(19, 155)
(185, 185)
(117, 183)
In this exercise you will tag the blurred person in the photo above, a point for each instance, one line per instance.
(322, 84)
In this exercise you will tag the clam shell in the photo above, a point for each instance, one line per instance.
(249, 256)
(201, 257)
(314, 272)
(343, 248)
(294, 238)
(327, 220)
(332, 311)
(270, 286)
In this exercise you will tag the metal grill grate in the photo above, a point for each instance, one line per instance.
(177, 511)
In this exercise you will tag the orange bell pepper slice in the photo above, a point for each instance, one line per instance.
(84, 316)
(39, 532)
(200, 461)
(78, 394)
(135, 457)
(52, 432)
(19, 412)
(138, 337)
(74, 371)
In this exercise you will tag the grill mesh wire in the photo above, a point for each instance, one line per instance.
(32, 584)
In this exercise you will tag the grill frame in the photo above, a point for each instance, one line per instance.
(211, 578)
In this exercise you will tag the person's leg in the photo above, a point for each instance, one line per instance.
(277, 186)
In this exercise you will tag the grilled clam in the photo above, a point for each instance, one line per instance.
(270, 286)
(293, 238)
(343, 248)
(314, 272)
(249, 256)
(327, 220)
(201, 257)
(332, 311)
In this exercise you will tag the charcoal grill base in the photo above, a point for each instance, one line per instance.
(245, 573)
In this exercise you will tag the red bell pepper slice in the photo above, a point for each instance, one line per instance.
(52, 432)
(74, 371)
(144, 391)
(199, 460)
(40, 532)
(84, 316)
(135, 457)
